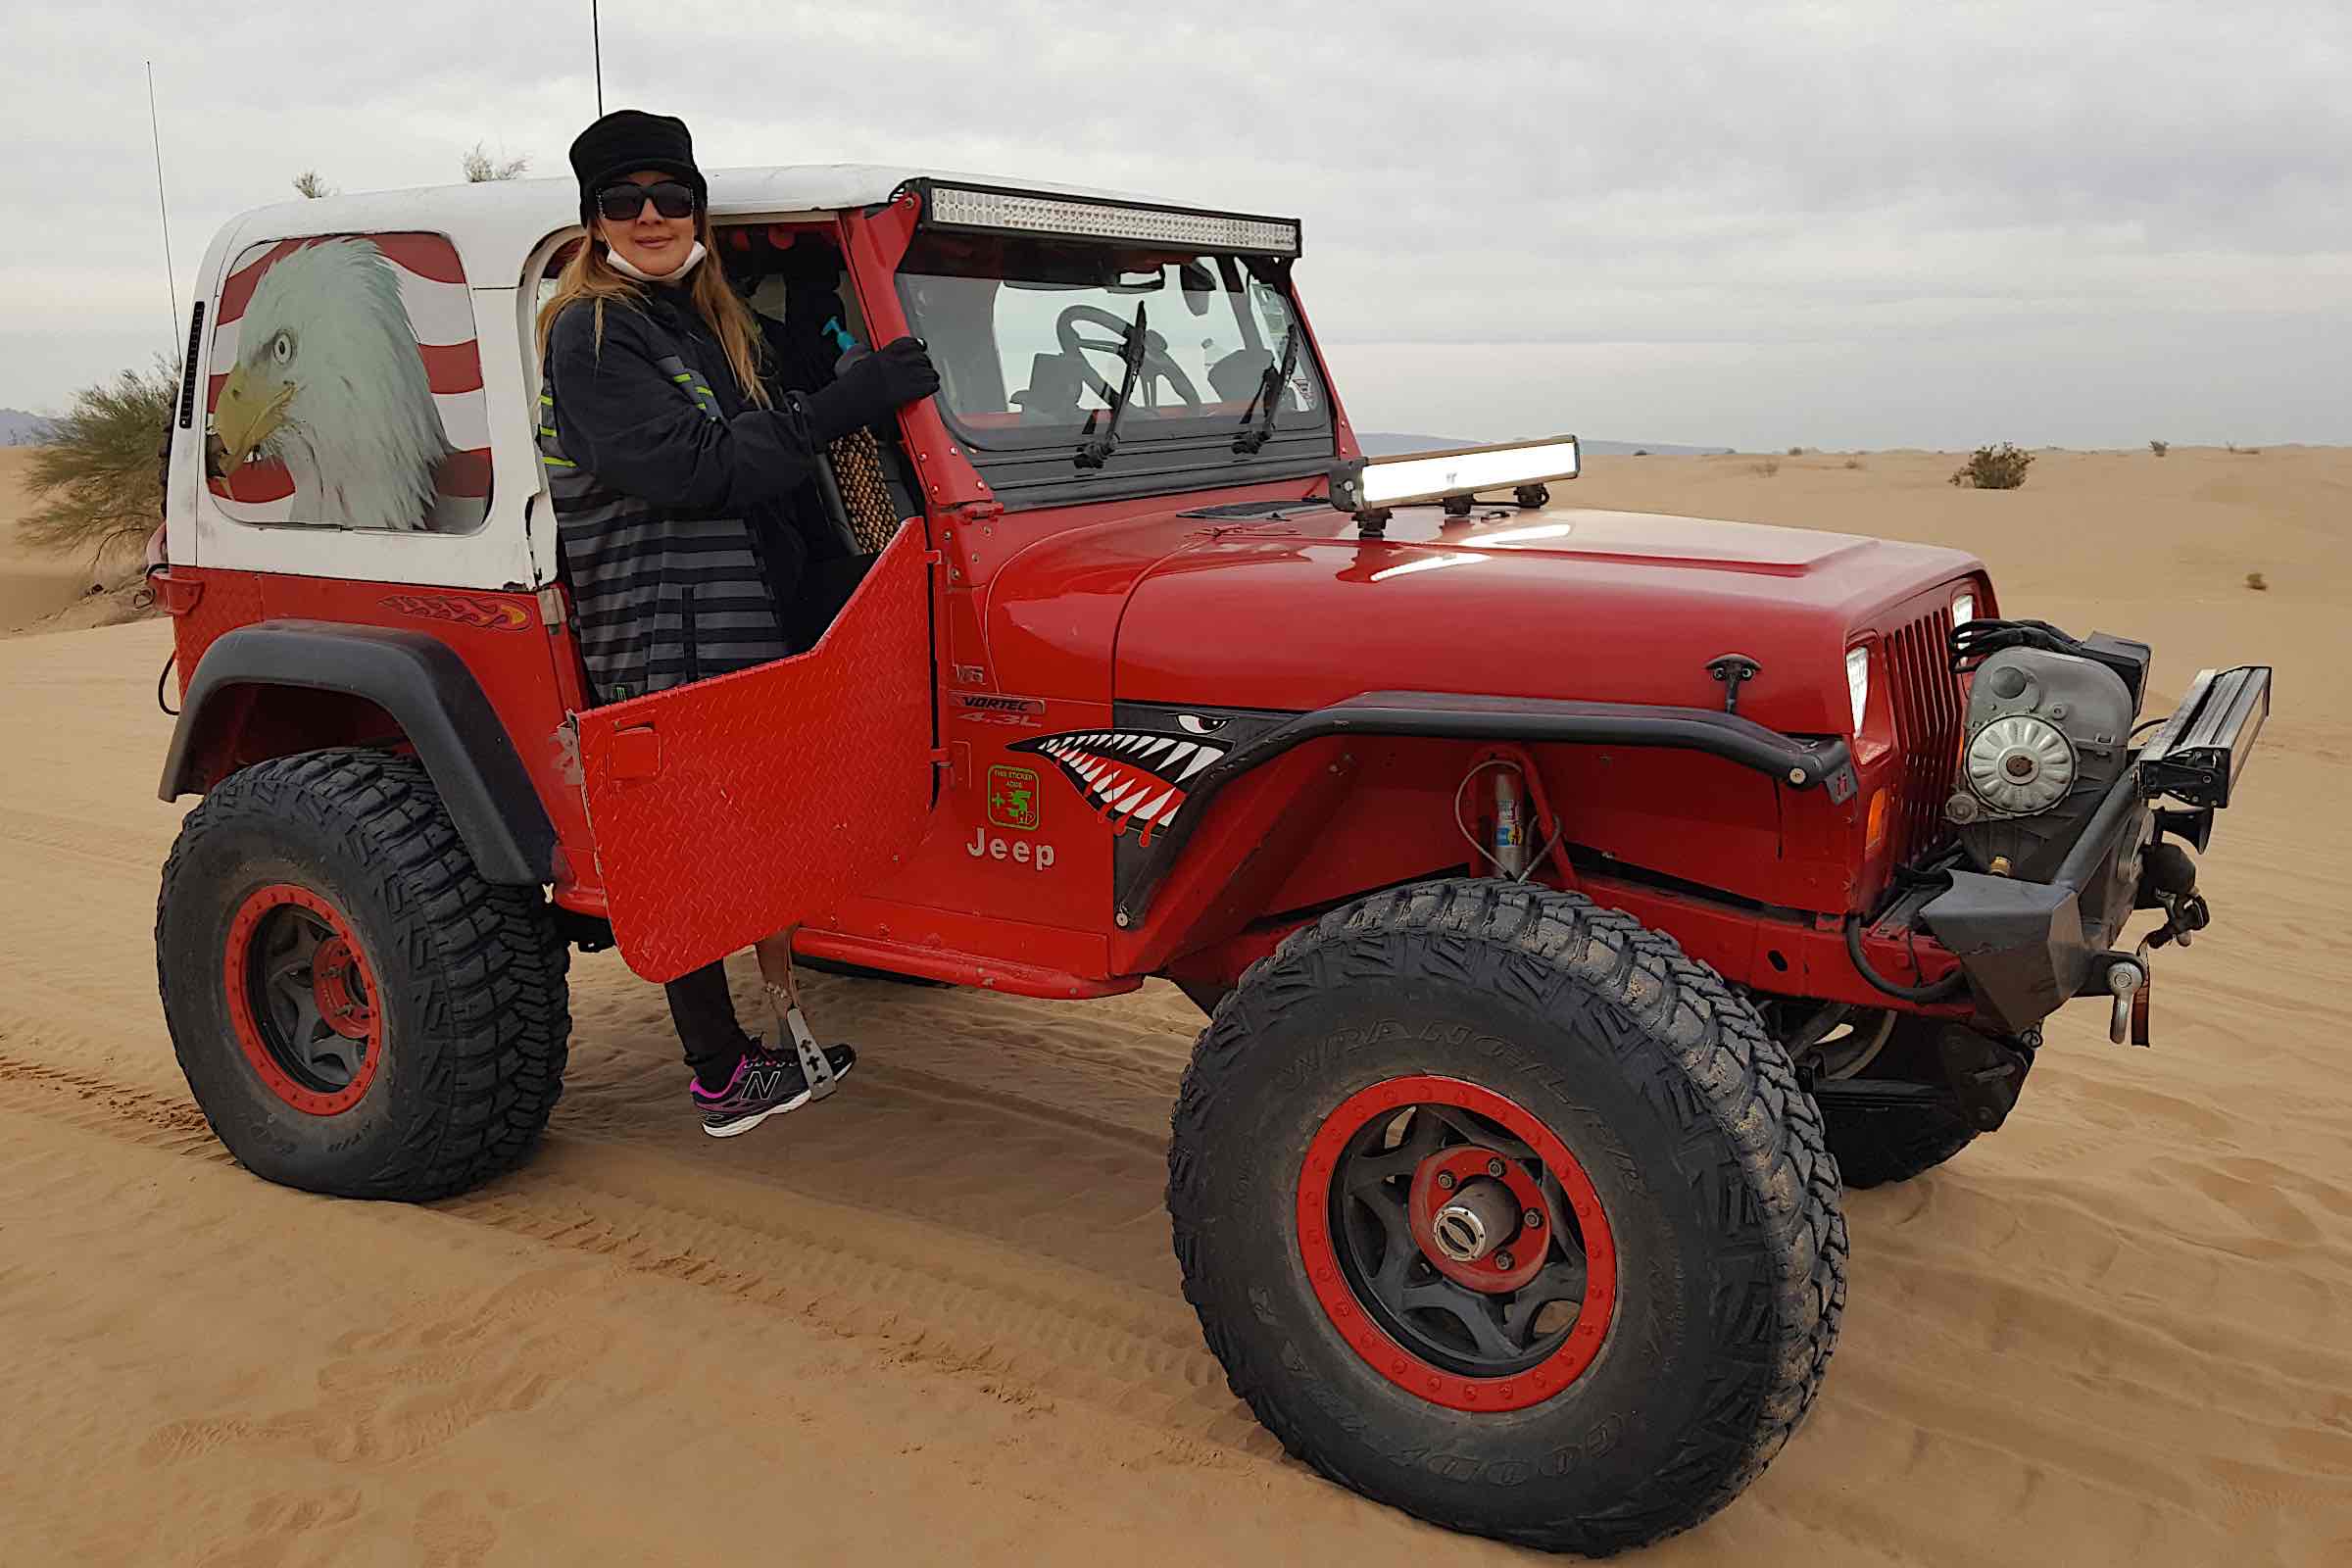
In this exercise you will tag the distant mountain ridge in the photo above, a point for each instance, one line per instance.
(21, 429)
(1388, 444)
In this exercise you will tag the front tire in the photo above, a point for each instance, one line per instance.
(357, 1011)
(1687, 1243)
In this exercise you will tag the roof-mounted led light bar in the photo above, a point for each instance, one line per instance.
(981, 210)
(1370, 486)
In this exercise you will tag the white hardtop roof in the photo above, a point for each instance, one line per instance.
(495, 225)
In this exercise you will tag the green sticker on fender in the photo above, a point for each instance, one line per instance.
(1012, 797)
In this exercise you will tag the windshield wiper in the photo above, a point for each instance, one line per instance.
(1269, 392)
(1131, 348)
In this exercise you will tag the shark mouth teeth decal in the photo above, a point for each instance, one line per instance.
(1134, 779)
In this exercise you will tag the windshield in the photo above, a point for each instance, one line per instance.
(1028, 335)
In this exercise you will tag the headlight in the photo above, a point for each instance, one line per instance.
(1857, 682)
(1964, 609)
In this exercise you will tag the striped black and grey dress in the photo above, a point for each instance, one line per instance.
(667, 486)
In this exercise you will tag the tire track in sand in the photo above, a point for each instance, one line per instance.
(1027, 1329)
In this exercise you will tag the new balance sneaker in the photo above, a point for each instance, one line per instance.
(766, 1083)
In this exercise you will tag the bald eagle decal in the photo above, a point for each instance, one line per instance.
(347, 389)
(1136, 777)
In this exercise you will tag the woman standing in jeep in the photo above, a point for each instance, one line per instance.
(671, 462)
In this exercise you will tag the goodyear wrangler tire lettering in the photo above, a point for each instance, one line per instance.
(357, 1011)
(1584, 1043)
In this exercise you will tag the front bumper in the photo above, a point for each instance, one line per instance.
(2027, 947)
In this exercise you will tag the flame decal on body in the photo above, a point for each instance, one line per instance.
(1134, 779)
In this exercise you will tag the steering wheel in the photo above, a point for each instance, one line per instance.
(1157, 363)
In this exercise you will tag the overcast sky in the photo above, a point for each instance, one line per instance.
(1754, 225)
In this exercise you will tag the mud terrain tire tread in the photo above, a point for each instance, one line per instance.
(1701, 1049)
(488, 1001)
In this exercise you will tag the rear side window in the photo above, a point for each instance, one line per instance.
(346, 387)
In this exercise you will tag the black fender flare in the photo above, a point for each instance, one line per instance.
(430, 693)
(1826, 763)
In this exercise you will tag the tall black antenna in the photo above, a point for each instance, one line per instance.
(170, 272)
(596, 39)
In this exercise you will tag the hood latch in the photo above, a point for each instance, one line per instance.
(1733, 670)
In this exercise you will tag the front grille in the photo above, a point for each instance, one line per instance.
(1929, 706)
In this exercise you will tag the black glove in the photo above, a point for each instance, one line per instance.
(871, 389)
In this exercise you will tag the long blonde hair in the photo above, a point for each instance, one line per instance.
(589, 276)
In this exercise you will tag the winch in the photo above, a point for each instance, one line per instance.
(2047, 735)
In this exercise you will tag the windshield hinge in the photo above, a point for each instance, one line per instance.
(975, 511)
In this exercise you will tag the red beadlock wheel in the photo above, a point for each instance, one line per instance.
(302, 999)
(1498, 1208)
(357, 1010)
(1455, 1243)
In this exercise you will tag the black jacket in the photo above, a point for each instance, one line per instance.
(677, 501)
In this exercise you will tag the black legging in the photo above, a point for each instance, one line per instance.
(704, 1016)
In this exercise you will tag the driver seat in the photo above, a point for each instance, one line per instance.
(1052, 397)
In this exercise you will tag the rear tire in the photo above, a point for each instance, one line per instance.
(357, 1011)
(1690, 1164)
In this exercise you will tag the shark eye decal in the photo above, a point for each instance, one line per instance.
(282, 347)
(1135, 779)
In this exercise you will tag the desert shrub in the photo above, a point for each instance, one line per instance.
(98, 472)
(2258, 582)
(1641, 452)
(1765, 469)
(1796, 452)
(2160, 448)
(480, 167)
(309, 185)
(2001, 467)
(1853, 462)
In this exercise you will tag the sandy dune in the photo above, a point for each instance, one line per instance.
(937, 1320)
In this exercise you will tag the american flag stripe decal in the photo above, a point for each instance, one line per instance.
(434, 295)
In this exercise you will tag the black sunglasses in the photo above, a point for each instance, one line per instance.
(620, 203)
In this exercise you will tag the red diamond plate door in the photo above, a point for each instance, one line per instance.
(731, 809)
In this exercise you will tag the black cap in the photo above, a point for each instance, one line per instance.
(627, 140)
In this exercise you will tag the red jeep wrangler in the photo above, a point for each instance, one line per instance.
(1573, 895)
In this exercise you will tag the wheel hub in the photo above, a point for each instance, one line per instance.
(340, 990)
(302, 999)
(1455, 1243)
(1480, 1218)
(1467, 1208)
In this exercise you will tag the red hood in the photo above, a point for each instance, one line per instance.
(1606, 605)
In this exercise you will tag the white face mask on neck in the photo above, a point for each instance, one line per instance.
(620, 265)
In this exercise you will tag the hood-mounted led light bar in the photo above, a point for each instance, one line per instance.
(1371, 487)
(986, 210)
